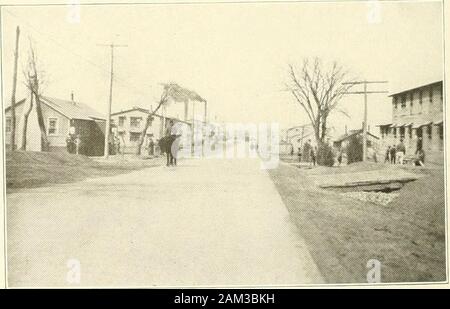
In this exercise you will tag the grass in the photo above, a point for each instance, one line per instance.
(35, 169)
(407, 236)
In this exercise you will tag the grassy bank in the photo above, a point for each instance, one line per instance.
(407, 236)
(35, 169)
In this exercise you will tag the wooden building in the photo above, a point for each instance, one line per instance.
(60, 118)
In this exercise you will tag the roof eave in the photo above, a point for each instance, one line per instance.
(410, 89)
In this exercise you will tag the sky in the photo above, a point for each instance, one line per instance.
(235, 55)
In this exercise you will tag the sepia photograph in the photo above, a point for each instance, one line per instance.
(211, 144)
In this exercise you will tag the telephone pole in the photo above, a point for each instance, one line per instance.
(108, 119)
(13, 93)
(365, 92)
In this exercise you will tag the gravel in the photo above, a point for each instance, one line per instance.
(379, 198)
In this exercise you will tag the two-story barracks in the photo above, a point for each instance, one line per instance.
(417, 113)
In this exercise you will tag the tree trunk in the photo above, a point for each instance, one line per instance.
(148, 123)
(45, 143)
(23, 145)
(324, 129)
(317, 126)
(13, 94)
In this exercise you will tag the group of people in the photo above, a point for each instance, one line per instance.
(307, 154)
(395, 154)
(73, 143)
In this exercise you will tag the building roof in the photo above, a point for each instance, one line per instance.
(17, 103)
(134, 108)
(69, 109)
(410, 89)
(147, 111)
(352, 133)
(73, 109)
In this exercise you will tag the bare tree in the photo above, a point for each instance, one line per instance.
(165, 95)
(23, 145)
(33, 82)
(318, 89)
(171, 91)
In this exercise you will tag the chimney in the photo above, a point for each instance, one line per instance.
(71, 98)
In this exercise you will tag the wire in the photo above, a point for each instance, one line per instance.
(89, 61)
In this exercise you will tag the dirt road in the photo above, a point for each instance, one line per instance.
(206, 222)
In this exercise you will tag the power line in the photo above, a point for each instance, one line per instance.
(89, 61)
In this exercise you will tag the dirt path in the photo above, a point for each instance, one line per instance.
(206, 222)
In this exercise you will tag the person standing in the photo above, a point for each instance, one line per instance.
(151, 147)
(401, 151)
(78, 144)
(116, 144)
(175, 133)
(393, 154)
(167, 141)
(339, 157)
(387, 157)
(299, 154)
(307, 151)
(70, 143)
(313, 155)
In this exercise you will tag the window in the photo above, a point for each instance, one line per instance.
(404, 101)
(134, 137)
(441, 132)
(431, 95)
(410, 132)
(402, 133)
(420, 100)
(395, 102)
(122, 121)
(8, 125)
(411, 103)
(135, 122)
(395, 132)
(52, 126)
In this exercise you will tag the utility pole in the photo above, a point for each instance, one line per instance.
(365, 92)
(108, 119)
(13, 94)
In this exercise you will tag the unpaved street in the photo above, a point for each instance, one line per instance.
(206, 222)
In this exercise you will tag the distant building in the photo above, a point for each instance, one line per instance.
(285, 148)
(130, 123)
(417, 114)
(342, 141)
(60, 117)
(297, 136)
